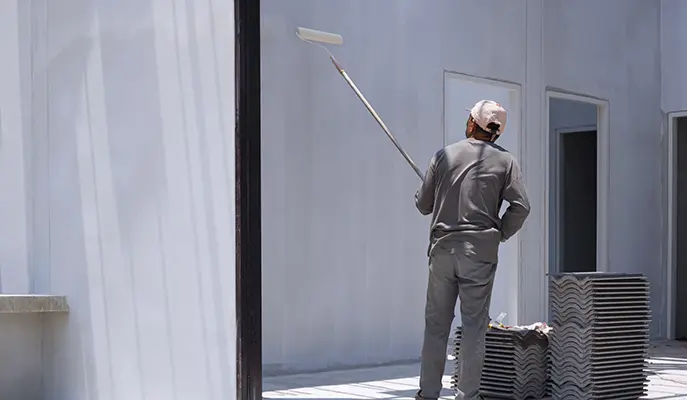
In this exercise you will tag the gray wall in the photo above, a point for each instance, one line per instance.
(344, 249)
(21, 369)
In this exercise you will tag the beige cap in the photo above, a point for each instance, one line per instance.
(486, 111)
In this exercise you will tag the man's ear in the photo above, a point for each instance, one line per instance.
(471, 126)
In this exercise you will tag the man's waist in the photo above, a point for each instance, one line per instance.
(466, 231)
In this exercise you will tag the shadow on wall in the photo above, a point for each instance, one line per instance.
(20, 350)
(55, 44)
(142, 258)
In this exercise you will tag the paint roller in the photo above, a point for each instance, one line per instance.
(320, 38)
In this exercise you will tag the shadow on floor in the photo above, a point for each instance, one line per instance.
(398, 372)
(389, 382)
(667, 367)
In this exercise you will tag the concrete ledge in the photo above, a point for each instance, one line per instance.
(32, 303)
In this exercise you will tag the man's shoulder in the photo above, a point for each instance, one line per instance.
(467, 144)
(462, 144)
(502, 153)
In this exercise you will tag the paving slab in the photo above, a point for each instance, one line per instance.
(667, 380)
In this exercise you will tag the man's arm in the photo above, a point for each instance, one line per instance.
(518, 204)
(424, 198)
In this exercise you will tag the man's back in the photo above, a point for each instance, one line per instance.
(463, 188)
(468, 183)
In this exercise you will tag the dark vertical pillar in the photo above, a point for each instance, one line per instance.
(248, 204)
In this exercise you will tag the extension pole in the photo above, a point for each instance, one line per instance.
(376, 117)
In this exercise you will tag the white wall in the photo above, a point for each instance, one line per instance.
(14, 260)
(673, 55)
(344, 250)
(123, 114)
(611, 50)
(566, 114)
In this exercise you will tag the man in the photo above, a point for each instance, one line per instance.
(463, 189)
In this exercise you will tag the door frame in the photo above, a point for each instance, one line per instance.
(602, 174)
(555, 199)
(670, 226)
(515, 94)
(602, 179)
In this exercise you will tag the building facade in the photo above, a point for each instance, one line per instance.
(117, 170)
(344, 250)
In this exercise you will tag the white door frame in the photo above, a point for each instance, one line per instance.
(516, 97)
(602, 178)
(555, 171)
(514, 88)
(672, 214)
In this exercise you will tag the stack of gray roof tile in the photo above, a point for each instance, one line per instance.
(600, 335)
(515, 364)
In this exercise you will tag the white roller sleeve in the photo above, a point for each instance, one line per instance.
(312, 35)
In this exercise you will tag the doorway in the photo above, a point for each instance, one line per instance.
(577, 196)
(575, 176)
(463, 91)
(678, 223)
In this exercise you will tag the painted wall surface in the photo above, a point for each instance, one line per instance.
(611, 50)
(344, 248)
(567, 114)
(673, 55)
(117, 118)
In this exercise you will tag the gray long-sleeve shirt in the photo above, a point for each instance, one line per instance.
(464, 187)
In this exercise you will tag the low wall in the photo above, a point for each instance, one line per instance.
(22, 320)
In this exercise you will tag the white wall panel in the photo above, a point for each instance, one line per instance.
(673, 55)
(14, 263)
(611, 50)
(123, 112)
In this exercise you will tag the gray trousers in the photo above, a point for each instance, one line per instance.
(452, 275)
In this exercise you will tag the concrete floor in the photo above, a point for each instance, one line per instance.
(667, 380)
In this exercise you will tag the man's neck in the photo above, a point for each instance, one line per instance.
(481, 137)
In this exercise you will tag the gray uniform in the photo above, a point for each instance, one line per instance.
(464, 187)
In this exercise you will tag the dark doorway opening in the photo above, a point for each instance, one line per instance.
(680, 300)
(577, 201)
